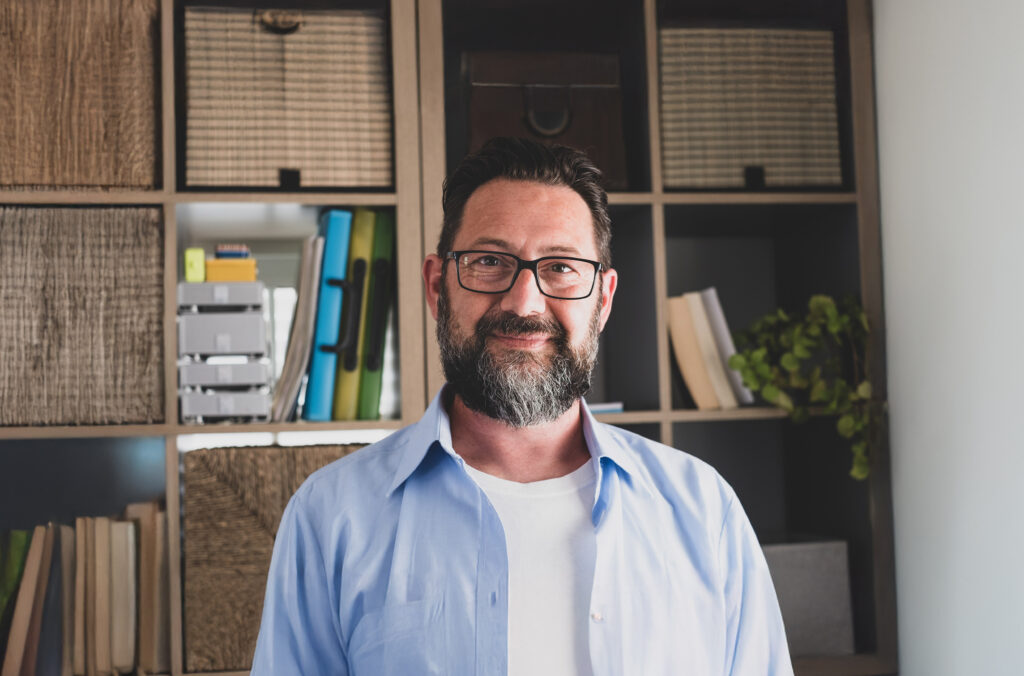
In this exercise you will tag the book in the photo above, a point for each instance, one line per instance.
(300, 338)
(353, 323)
(687, 352)
(161, 662)
(379, 296)
(46, 654)
(122, 595)
(83, 555)
(21, 621)
(67, 600)
(336, 226)
(726, 347)
(16, 545)
(99, 647)
(709, 351)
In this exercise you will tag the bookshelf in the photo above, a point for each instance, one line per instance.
(654, 227)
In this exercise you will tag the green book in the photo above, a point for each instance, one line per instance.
(382, 290)
(15, 549)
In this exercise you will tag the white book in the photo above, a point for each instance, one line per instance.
(723, 339)
(709, 351)
(300, 338)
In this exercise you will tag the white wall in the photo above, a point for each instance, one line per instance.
(950, 95)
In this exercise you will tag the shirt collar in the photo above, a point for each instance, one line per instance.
(434, 429)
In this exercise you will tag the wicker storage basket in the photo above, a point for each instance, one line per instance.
(81, 309)
(748, 108)
(65, 118)
(287, 99)
(234, 499)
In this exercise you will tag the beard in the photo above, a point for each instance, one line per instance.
(517, 387)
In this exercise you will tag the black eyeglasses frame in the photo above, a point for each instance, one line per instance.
(525, 265)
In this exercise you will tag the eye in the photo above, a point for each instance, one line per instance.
(560, 267)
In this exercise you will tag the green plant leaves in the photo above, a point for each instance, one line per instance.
(787, 359)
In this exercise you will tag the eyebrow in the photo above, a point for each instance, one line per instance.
(502, 244)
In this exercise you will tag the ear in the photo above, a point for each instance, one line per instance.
(432, 268)
(609, 282)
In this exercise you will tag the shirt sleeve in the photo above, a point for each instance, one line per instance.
(299, 630)
(755, 638)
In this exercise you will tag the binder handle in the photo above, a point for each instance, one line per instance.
(378, 313)
(348, 334)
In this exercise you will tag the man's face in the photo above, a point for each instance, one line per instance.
(520, 357)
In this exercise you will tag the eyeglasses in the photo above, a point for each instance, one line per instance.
(561, 277)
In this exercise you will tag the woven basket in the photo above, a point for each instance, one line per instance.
(81, 310)
(306, 92)
(78, 103)
(234, 499)
(733, 99)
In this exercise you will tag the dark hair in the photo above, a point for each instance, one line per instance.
(520, 159)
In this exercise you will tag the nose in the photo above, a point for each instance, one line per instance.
(524, 298)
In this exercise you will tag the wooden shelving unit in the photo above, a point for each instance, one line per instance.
(649, 222)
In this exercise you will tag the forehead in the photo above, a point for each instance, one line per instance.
(527, 218)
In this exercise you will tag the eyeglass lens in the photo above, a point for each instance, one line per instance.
(492, 272)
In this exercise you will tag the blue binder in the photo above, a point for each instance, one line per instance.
(336, 227)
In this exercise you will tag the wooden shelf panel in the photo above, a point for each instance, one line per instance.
(275, 428)
(742, 413)
(369, 199)
(712, 198)
(83, 196)
(84, 431)
(685, 416)
(845, 665)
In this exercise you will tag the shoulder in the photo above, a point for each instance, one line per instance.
(691, 486)
(355, 483)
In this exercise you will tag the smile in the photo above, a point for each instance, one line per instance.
(532, 341)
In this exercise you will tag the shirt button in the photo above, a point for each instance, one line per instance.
(596, 616)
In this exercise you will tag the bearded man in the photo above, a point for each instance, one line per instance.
(508, 532)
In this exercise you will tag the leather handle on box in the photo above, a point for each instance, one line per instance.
(348, 333)
(548, 109)
(279, 21)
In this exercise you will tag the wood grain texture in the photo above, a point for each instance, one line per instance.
(79, 108)
(81, 307)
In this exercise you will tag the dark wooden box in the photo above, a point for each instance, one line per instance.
(565, 98)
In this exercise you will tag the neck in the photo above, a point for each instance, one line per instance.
(522, 454)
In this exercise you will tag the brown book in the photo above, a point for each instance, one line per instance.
(28, 663)
(67, 592)
(83, 555)
(122, 595)
(687, 351)
(161, 596)
(99, 647)
(709, 351)
(21, 622)
(143, 515)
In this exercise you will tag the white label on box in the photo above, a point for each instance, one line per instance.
(223, 342)
(220, 293)
(226, 405)
(224, 374)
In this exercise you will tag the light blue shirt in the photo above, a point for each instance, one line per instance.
(392, 561)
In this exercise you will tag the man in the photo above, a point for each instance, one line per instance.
(508, 531)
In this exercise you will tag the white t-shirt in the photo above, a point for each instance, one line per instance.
(551, 552)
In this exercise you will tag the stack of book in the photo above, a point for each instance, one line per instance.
(90, 598)
(702, 345)
(345, 296)
(222, 340)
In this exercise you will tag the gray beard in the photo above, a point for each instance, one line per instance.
(518, 388)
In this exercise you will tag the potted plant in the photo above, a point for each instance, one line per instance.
(815, 361)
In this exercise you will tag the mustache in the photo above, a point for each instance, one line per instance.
(511, 324)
